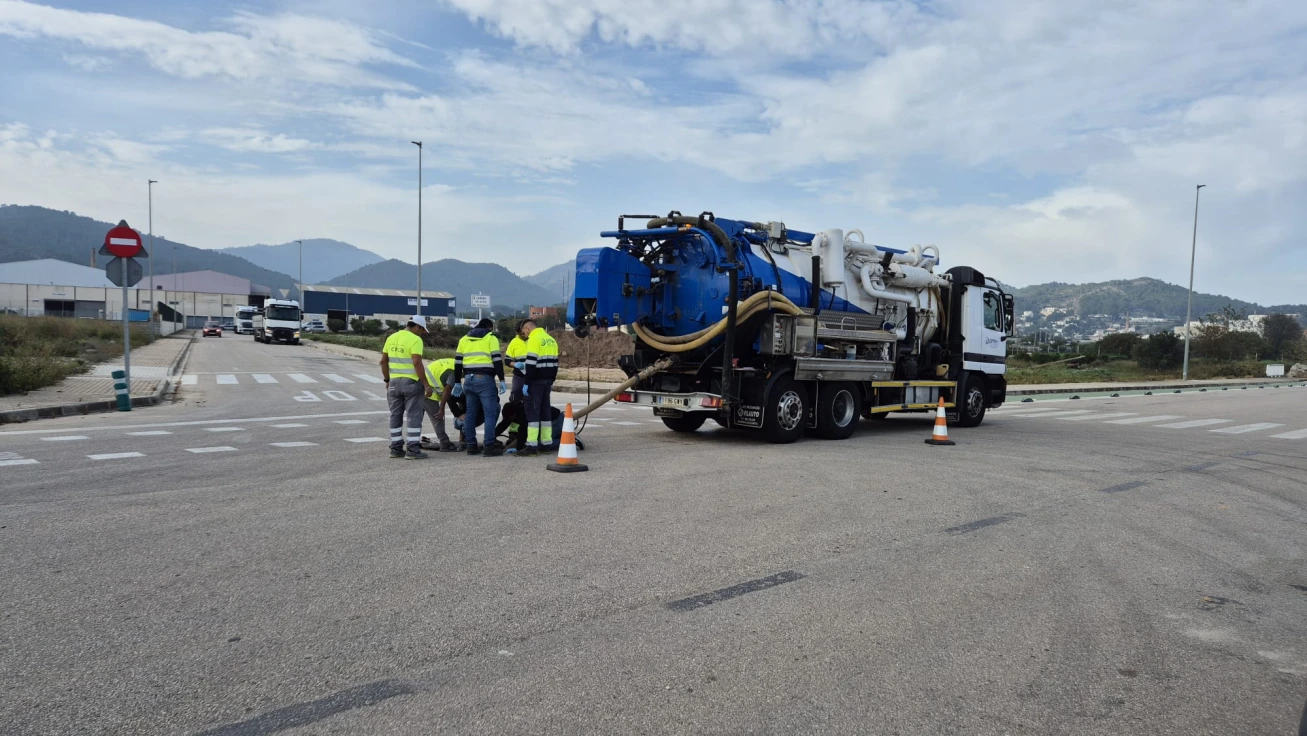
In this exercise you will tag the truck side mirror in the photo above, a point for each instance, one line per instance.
(1009, 314)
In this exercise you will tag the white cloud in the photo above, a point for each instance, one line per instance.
(249, 140)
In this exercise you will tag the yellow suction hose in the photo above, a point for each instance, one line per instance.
(760, 302)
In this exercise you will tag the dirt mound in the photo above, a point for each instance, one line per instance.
(604, 348)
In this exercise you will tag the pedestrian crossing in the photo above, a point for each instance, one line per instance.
(1214, 425)
(249, 378)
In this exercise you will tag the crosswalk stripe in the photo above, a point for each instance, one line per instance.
(367, 439)
(226, 379)
(265, 378)
(200, 450)
(115, 455)
(301, 378)
(336, 378)
(1024, 410)
(190, 379)
(65, 438)
(224, 429)
(1100, 416)
(291, 425)
(367, 379)
(1244, 428)
(1297, 434)
(1142, 420)
(19, 461)
(1067, 413)
(1195, 423)
(350, 421)
(148, 434)
(294, 444)
(628, 424)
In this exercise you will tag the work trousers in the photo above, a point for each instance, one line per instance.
(515, 388)
(432, 406)
(405, 398)
(482, 407)
(539, 428)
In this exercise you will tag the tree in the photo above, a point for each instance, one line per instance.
(1162, 351)
(336, 325)
(1280, 330)
(1122, 343)
(1226, 317)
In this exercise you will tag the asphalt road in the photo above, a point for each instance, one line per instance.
(1135, 566)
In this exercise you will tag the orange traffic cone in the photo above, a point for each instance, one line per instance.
(567, 462)
(939, 436)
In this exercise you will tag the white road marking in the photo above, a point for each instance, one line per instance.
(224, 429)
(190, 379)
(294, 444)
(1141, 420)
(655, 421)
(1063, 413)
(265, 378)
(1024, 410)
(628, 424)
(350, 421)
(301, 378)
(115, 455)
(336, 378)
(1241, 429)
(226, 379)
(290, 425)
(149, 434)
(1100, 416)
(1297, 434)
(1194, 423)
(368, 439)
(65, 438)
(367, 379)
(19, 461)
(200, 450)
(195, 423)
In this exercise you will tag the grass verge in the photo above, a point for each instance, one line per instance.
(1128, 371)
(364, 342)
(36, 352)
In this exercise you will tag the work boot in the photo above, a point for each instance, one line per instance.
(447, 446)
(396, 453)
(474, 449)
(460, 446)
(528, 451)
(494, 450)
(416, 455)
(429, 445)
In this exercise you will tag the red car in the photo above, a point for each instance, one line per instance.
(212, 328)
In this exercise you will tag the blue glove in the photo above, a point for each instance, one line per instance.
(458, 423)
(520, 365)
(458, 389)
(526, 390)
(502, 388)
(511, 451)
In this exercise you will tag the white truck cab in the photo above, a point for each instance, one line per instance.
(278, 322)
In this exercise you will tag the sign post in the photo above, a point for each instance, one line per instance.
(480, 301)
(124, 244)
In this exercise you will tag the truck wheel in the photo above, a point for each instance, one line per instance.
(785, 412)
(971, 408)
(685, 422)
(837, 411)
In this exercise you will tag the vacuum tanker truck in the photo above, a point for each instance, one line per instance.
(760, 327)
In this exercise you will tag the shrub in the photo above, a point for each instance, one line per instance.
(392, 325)
(1162, 351)
(336, 325)
(1122, 344)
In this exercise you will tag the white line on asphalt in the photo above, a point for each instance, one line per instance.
(301, 378)
(226, 379)
(290, 425)
(115, 455)
(19, 461)
(336, 378)
(294, 444)
(1024, 410)
(149, 434)
(224, 429)
(367, 379)
(195, 423)
(189, 380)
(655, 421)
(367, 439)
(1099, 416)
(1141, 420)
(1194, 423)
(1063, 413)
(1297, 434)
(628, 424)
(350, 421)
(265, 378)
(1243, 428)
(199, 450)
(65, 438)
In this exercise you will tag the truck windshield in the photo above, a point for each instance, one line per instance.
(287, 314)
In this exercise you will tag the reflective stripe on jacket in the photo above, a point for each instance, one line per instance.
(516, 351)
(400, 349)
(478, 352)
(541, 356)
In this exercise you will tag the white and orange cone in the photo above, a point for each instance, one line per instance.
(567, 462)
(939, 436)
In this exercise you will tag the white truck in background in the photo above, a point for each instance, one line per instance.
(245, 320)
(278, 322)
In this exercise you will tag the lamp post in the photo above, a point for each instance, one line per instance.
(1189, 311)
(149, 188)
(174, 287)
(419, 145)
(301, 284)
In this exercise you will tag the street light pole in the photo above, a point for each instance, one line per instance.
(1189, 311)
(154, 303)
(301, 285)
(419, 145)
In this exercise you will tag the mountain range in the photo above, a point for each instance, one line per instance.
(324, 258)
(456, 277)
(1142, 297)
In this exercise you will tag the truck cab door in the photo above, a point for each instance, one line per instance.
(985, 348)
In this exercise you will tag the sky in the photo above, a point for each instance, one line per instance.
(1034, 141)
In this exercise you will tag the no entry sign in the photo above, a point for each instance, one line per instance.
(122, 241)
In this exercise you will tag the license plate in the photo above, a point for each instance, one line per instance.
(672, 401)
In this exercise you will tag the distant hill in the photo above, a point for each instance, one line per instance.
(555, 278)
(1142, 297)
(324, 259)
(36, 232)
(456, 277)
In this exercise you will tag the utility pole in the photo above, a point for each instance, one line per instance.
(1189, 311)
(301, 285)
(149, 187)
(419, 145)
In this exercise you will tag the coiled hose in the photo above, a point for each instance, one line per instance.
(761, 302)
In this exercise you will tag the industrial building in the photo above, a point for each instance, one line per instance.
(58, 288)
(345, 302)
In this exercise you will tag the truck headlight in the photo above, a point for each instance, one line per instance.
(297, 333)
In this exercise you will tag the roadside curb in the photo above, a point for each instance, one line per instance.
(1035, 389)
(343, 350)
(166, 385)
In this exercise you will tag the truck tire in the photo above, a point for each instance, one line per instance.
(837, 410)
(685, 422)
(785, 411)
(971, 407)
